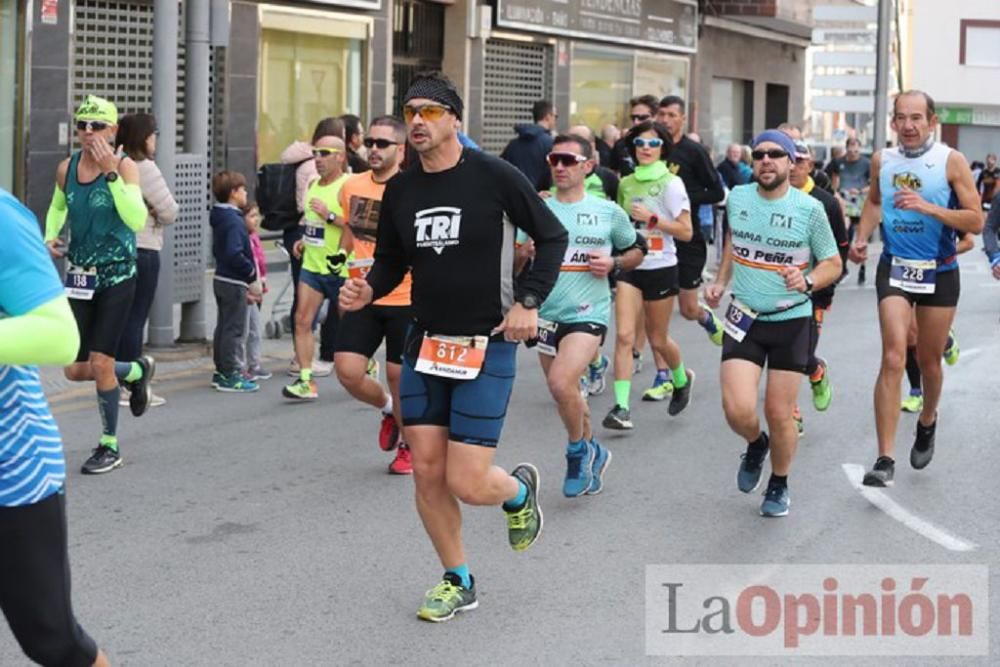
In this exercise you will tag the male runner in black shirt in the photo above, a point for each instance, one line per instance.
(689, 160)
(451, 219)
(822, 300)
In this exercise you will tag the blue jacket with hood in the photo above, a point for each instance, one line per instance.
(527, 152)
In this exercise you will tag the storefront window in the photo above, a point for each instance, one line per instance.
(602, 86)
(731, 117)
(604, 81)
(306, 76)
(8, 82)
(661, 76)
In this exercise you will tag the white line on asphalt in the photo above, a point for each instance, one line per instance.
(855, 473)
(965, 354)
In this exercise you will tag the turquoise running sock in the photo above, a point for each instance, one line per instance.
(517, 502)
(576, 447)
(128, 371)
(680, 376)
(462, 572)
(107, 406)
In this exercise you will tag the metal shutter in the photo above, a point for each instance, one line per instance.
(517, 74)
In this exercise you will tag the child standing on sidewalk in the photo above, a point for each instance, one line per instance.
(253, 370)
(235, 278)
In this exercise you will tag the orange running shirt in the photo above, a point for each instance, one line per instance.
(361, 199)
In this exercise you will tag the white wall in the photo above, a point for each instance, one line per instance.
(934, 45)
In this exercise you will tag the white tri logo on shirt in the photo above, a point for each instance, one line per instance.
(438, 227)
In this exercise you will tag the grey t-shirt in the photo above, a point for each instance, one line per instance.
(854, 175)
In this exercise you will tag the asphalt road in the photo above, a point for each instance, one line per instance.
(246, 531)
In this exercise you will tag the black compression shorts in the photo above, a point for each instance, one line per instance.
(691, 258)
(655, 284)
(361, 332)
(782, 346)
(101, 320)
(472, 410)
(35, 584)
(947, 288)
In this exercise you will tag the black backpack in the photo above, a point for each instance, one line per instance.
(276, 196)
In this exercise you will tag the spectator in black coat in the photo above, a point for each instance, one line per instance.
(533, 142)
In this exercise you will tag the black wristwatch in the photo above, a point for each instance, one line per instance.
(111, 176)
(529, 301)
(809, 285)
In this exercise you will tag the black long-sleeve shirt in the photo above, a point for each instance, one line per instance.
(455, 231)
(689, 160)
(835, 216)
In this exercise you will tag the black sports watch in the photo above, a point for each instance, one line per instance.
(809, 285)
(111, 176)
(529, 301)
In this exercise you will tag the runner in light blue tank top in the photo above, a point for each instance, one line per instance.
(907, 233)
(923, 193)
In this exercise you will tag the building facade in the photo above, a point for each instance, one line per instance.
(278, 67)
(952, 51)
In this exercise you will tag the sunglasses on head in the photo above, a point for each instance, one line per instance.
(324, 152)
(565, 159)
(774, 154)
(640, 117)
(429, 112)
(640, 142)
(92, 125)
(382, 144)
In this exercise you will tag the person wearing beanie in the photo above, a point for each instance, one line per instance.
(778, 250)
(451, 219)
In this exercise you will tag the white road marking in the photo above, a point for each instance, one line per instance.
(855, 473)
(965, 354)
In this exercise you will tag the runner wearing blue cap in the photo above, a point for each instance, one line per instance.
(779, 248)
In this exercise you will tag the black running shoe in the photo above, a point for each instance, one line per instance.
(619, 419)
(681, 396)
(104, 459)
(923, 446)
(751, 466)
(881, 473)
(142, 394)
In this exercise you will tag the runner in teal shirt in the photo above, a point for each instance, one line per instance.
(779, 248)
(594, 225)
(573, 319)
(768, 236)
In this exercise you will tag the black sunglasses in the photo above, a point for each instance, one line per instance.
(640, 117)
(93, 125)
(774, 154)
(381, 143)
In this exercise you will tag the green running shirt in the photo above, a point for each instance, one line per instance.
(98, 237)
(593, 225)
(771, 234)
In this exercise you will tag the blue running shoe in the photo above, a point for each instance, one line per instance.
(579, 466)
(598, 371)
(776, 501)
(602, 457)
